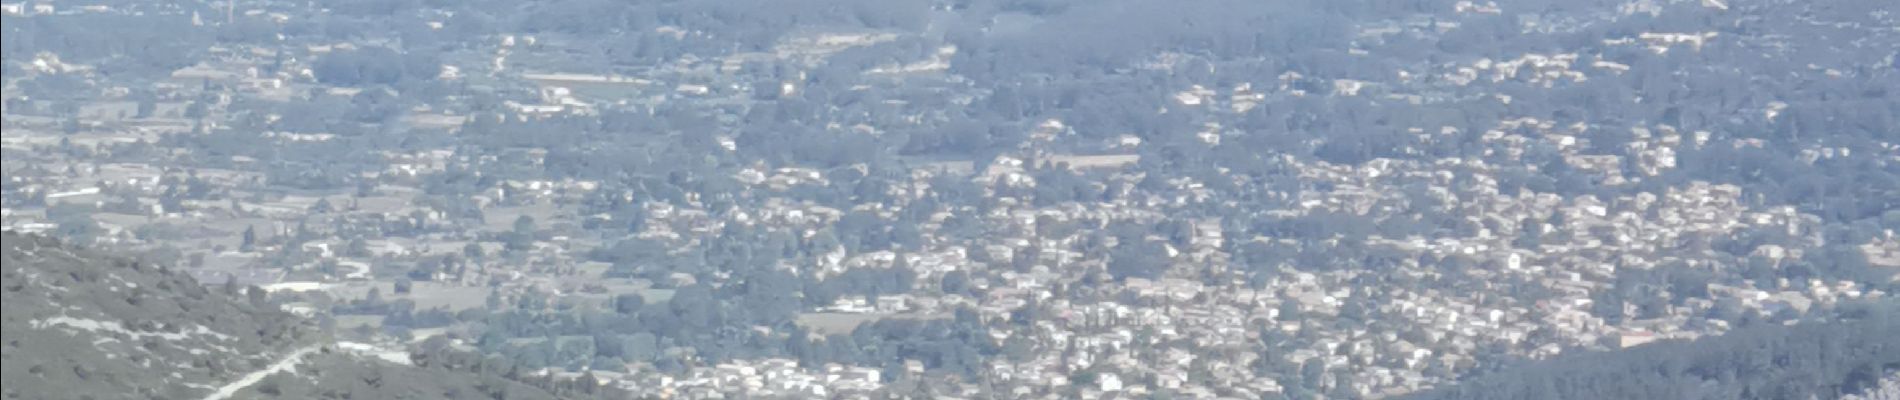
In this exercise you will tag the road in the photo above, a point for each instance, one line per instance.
(289, 360)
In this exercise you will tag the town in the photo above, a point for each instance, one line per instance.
(441, 178)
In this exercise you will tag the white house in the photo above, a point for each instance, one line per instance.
(1110, 382)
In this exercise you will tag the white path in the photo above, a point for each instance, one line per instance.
(288, 361)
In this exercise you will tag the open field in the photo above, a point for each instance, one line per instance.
(844, 323)
(426, 294)
(502, 219)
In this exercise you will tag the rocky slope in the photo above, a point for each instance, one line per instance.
(83, 324)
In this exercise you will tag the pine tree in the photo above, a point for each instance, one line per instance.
(250, 239)
(230, 284)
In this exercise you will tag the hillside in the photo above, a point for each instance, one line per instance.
(343, 376)
(1822, 360)
(82, 324)
(79, 323)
